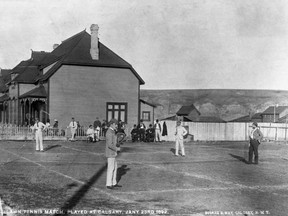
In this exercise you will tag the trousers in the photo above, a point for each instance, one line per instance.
(158, 134)
(253, 148)
(179, 142)
(39, 141)
(111, 172)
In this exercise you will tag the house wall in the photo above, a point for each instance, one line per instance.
(23, 88)
(147, 108)
(270, 118)
(82, 92)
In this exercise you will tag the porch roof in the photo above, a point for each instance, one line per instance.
(4, 98)
(38, 92)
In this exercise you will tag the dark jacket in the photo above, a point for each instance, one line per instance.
(111, 141)
(257, 135)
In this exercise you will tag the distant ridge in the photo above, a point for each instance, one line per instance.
(227, 104)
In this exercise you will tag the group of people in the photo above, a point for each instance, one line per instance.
(151, 134)
(115, 129)
(113, 147)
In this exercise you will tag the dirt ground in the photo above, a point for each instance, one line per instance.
(213, 179)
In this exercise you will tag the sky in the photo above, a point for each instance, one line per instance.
(172, 44)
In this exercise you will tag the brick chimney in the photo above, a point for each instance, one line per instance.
(94, 50)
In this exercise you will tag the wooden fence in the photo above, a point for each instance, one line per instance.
(227, 131)
(197, 131)
(12, 132)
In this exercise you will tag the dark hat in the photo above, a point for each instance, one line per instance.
(113, 121)
(255, 124)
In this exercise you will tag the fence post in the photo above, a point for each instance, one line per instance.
(276, 133)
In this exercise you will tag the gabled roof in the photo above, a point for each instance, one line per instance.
(28, 75)
(76, 51)
(145, 102)
(28, 71)
(174, 118)
(38, 92)
(72, 51)
(186, 110)
(278, 110)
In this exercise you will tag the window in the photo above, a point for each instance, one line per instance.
(117, 111)
(146, 116)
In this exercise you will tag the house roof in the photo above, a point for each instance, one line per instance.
(28, 71)
(72, 51)
(186, 110)
(284, 119)
(4, 79)
(145, 102)
(4, 98)
(278, 110)
(174, 118)
(247, 118)
(209, 119)
(76, 51)
(38, 92)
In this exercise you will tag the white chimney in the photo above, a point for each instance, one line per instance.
(94, 50)
(55, 46)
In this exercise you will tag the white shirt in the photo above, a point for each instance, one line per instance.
(180, 132)
(157, 126)
(252, 132)
(39, 126)
(73, 125)
(90, 131)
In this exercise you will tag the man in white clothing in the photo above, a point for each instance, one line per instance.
(91, 133)
(39, 127)
(180, 133)
(73, 128)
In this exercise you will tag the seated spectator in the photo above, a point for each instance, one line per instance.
(91, 133)
(142, 129)
(134, 133)
(150, 134)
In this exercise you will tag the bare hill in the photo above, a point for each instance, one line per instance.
(224, 103)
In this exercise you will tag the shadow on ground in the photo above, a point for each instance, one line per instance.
(173, 150)
(239, 158)
(121, 171)
(75, 199)
(51, 147)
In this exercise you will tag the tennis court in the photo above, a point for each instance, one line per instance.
(213, 179)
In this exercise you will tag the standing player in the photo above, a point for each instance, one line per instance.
(111, 154)
(255, 138)
(73, 128)
(39, 127)
(179, 135)
(157, 127)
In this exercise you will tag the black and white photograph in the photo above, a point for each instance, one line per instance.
(133, 107)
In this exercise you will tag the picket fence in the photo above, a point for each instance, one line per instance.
(13, 132)
(232, 131)
(198, 131)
